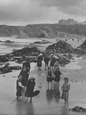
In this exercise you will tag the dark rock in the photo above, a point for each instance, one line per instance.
(60, 47)
(81, 49)
(33, 51)
(15, 67)
(3, 75)
(18, 55)
(4, 58)
(7, 69)
(78, 109)
(68, 55)
(83, 45)
(8, 41)
(42, 42)
(63, 60)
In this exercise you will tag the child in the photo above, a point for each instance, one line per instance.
(46, 60)
(30, 88)
(57, 73)
(39, 62)
(19, 87)
(25, 74)
(65, 90)
(49, 76)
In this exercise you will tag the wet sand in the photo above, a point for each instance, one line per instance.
(48, 102)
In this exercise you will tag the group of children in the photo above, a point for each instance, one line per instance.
(25, 84)
(53, 74)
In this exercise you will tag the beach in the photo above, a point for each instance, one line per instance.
(41, 104)
(45, 103)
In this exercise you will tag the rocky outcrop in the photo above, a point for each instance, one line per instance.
(20, 55)
(81, 49)
(4, 58)
(27, 51)
(83, 46)
(7, 69)
(8, 41)
(42, 42)
(60, 47)
(78, 109)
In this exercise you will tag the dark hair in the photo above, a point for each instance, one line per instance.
(66, 78)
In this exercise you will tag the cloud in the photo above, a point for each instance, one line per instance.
(73, 7)
(40, 11)
(19, 10)
(60, 3)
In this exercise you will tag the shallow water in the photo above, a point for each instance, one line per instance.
(48, 102)
(72, 65)
(22, 42)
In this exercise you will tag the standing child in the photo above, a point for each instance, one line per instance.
(25, 75)
(57, 73)
(46, 60)
(65, 90)
(30, 88)
(39, 62)
(19, 87)
(49, 76)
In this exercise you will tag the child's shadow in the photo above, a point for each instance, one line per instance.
(53, 93)
(49, 95)
(56, 92)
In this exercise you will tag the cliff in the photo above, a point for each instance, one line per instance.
(43, 30)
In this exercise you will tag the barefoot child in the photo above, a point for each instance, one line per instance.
(49, 76)
(65, 90)
(30, 88)
(19, 87)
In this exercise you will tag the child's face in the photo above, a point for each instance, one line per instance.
(65, 80)
(20, 78)
(24, 68)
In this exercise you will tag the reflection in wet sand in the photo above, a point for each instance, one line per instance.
(24, 108)
(53, 93)
(49, 95)
(64, 110)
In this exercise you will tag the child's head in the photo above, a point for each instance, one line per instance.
(57, 68)
(32, 79)
(49, 68)
(20, 78)
(24, 67)
(66, 80)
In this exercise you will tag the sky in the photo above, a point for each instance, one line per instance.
(23, 12)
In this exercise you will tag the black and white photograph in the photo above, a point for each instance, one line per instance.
(42, 57)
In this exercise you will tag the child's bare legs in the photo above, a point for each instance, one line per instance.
(39, 68)
(30, 99)
(66, 102)
(17, 98)
(26, 99)
(51, 84)
(45, 66)
(48, 85)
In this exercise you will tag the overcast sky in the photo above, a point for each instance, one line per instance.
(22, 12)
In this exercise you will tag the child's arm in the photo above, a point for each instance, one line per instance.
(62, 87)
(68, 87)
(19, 83)
(53, 73)
(47, 73)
